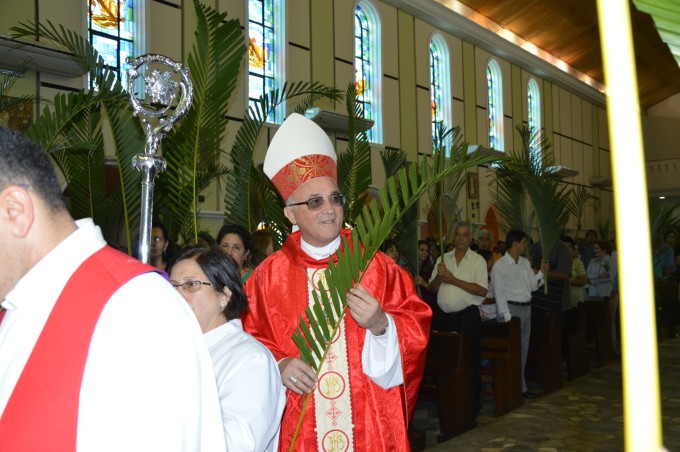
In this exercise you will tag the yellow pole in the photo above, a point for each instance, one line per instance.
(642, 418)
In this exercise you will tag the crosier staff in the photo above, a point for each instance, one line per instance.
(163, 91)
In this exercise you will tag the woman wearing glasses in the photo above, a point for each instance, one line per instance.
(251, 394)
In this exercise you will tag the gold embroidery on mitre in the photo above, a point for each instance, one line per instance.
(310, 167)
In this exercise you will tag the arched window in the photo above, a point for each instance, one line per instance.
(266, 47)
(115, 30)
(534, 109)
(494, 85)
(440, 84)
(367, 65)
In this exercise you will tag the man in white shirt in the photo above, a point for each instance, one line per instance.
(139, 379)
(513, 280)
(460, 280)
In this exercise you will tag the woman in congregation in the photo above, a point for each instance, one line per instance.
(237, 242)
(248, 381)
(160, 246)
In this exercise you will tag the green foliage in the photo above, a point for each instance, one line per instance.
(442, 206)
(663, 217)
(531, 169)
(354, 165)
(406, 228)
(579, 200)
(7, 79)
(249, 196)
(193, 149)
(71, 132)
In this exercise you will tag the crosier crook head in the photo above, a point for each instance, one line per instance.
(162, 89)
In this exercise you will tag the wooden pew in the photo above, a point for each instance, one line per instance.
(448, 381)
(599, 329)
(578, 364)
(501, 345)
(545, 347)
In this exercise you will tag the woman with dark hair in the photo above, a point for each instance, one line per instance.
(160, 243)
(251, 394)
(237, 242)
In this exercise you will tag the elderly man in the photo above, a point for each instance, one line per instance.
(97, 351)
(485, 240)
(368, 383)
(460, 280)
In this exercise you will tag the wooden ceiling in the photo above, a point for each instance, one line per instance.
(568, 29)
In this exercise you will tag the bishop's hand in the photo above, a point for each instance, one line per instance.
(297, 375)
(365, 309)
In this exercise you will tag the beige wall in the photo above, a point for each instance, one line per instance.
(319, 36)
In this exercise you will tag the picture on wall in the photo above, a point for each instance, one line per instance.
(472, 186)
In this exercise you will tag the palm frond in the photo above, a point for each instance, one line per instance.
(128, 141)
(406, 228)
(193, 148)
(442, 200)
(354, 165)
(549, 197)
(86, 176)
(247, 193)
(580, 199)
(100, 75)
(7, 79)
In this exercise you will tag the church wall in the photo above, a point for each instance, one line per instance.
(319, 37)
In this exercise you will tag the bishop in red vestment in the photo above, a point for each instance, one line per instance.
(366, 391)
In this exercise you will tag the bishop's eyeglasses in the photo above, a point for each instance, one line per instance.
(317, 202)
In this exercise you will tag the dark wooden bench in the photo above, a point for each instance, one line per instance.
(501, 346)
(448, 382)
(600, 330)
(545, 347)
(578, 364)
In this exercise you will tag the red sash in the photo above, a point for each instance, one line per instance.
(42, 412)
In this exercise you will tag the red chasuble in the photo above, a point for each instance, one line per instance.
(42, 412)
(277, 295)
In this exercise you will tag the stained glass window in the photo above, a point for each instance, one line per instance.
(265, 51)
(440, 91)
(367, 68)
(111, 27)
(494, 85)
(534, 109)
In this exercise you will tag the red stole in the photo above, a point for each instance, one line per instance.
(42, 412)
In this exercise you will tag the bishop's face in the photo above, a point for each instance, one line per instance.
(318, 227)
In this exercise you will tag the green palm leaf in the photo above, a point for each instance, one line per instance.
(249, 197)
(549, 197)
(354, 164)
(442, 200)
(128, 140)
(580, 199)
(71, 132)
(7, 79)
(395, 159)
(192, 149)
(373, 226)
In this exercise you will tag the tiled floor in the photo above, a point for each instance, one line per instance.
(585, 415)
